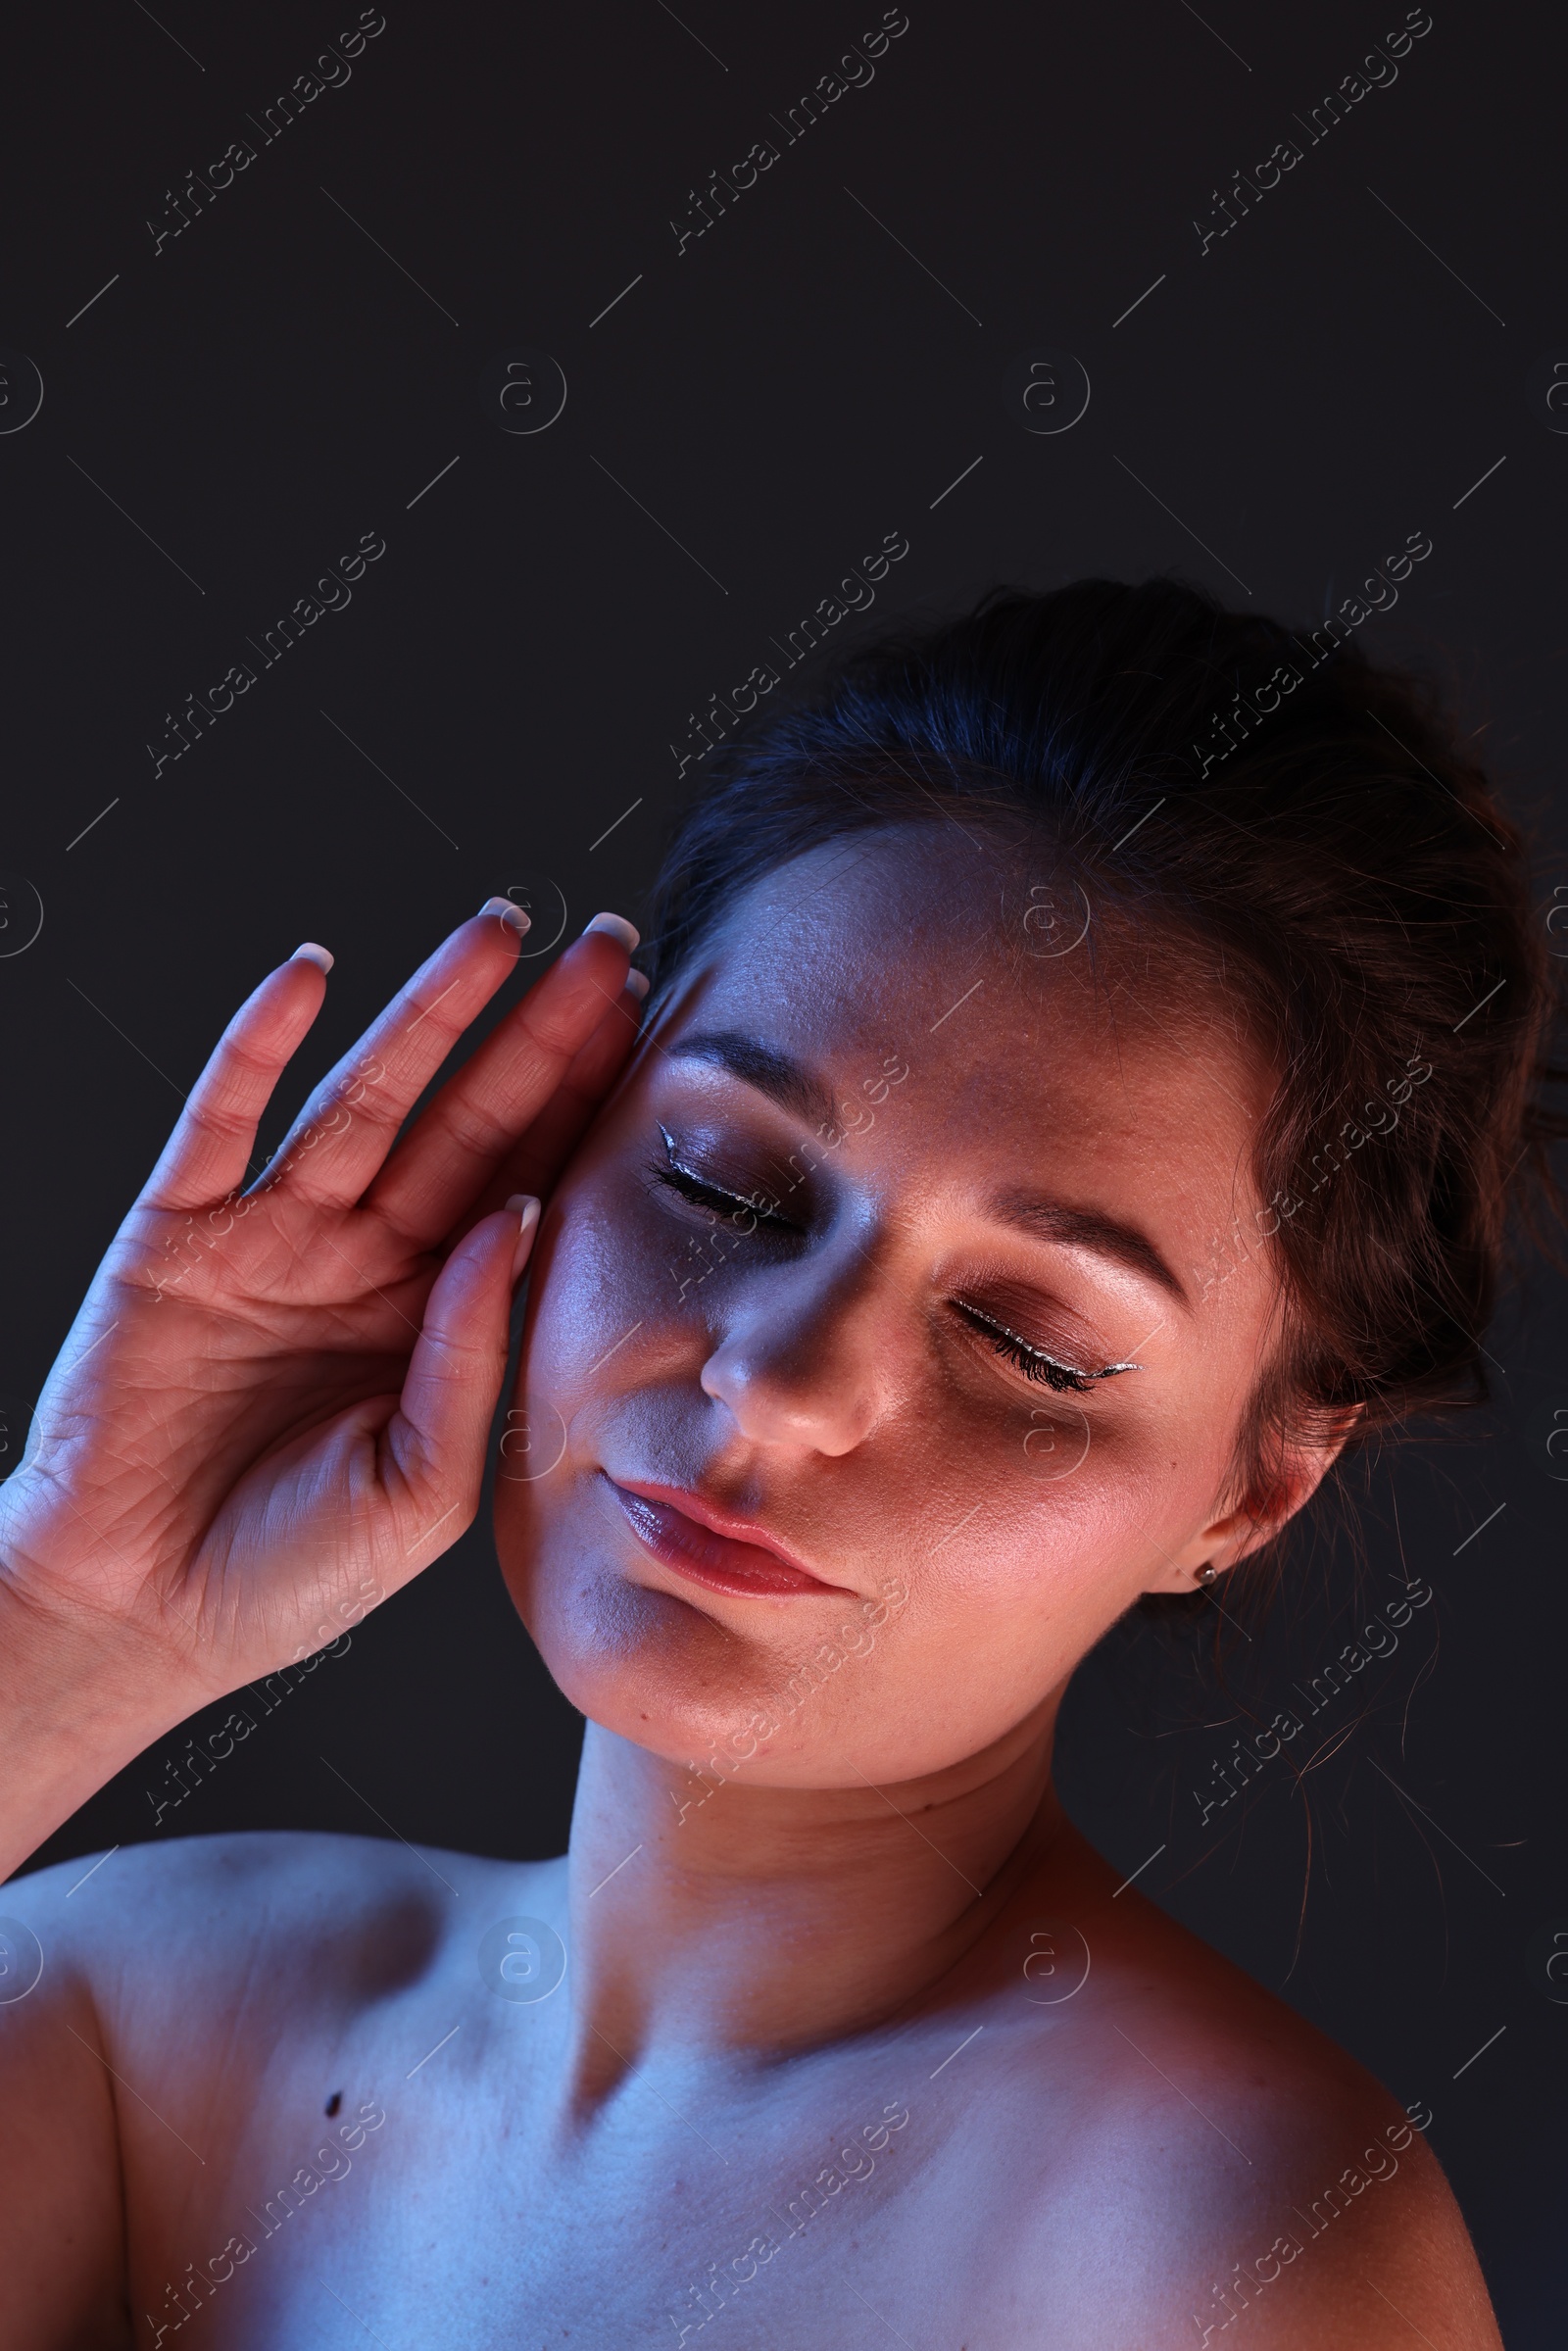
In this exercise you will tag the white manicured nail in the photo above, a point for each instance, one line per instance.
(310, 952)
(617, 927)
(638, 982)
(526, 1209)
(508, 911)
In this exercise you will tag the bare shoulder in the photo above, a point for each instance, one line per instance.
(1183, 2154)
(260, 1915)
(1247, 2170)
(164, 2008)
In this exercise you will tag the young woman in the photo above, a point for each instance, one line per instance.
(1061, 1121)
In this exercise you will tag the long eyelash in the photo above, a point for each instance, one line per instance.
(1036, 1365)
(692, 1188)
(702, 1193)
(1033, 1362)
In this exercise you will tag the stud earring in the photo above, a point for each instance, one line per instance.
(1208, 1574)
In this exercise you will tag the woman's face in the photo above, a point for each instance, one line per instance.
(984, 1166)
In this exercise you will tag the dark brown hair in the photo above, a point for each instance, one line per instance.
(1315, 823)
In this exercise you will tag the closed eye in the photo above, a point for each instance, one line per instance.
(705, 1194)
(1034, 1362)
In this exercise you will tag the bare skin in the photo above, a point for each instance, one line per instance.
(854, 2033)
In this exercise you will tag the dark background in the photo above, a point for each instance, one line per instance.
(1272, 418)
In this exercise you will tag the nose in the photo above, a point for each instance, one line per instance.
(798, 1363)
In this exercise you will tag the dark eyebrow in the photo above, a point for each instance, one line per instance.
(771, 1072)
(1089, 1229)
(795, 1087)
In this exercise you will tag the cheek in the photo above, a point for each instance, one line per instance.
(1076, 1517)
(1060, 1504)
(1019, 1524)
(590, 1286)
(609, 1375)
(617, 1270)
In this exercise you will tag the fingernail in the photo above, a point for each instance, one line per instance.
(508, 911)
(310, 952)
(617, 927)
(638, 982)
(527, 1213)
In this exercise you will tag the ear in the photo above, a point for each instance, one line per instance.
(1233, 1533)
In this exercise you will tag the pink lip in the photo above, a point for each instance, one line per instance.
(709, 1545)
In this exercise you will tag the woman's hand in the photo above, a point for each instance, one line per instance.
(272, 1409)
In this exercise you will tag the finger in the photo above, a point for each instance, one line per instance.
(346, 1129)
(435, 1442)
(442, 1166)
(541, 1151)
(208, 1153)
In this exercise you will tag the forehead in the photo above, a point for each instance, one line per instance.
(1022, 1007)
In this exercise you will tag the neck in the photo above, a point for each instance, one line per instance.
(713, 1917)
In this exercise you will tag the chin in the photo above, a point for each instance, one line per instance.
(801, 1702)
(659, 1672)
(642, 1662)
